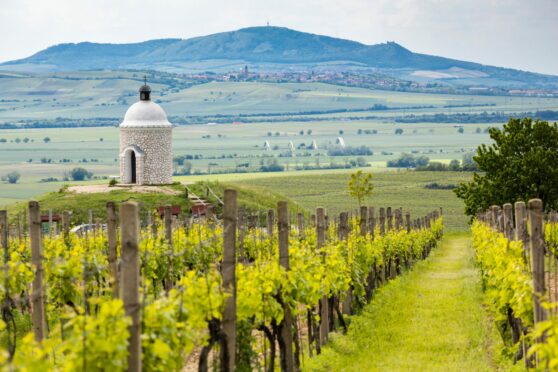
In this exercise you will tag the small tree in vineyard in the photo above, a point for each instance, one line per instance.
(360, 186)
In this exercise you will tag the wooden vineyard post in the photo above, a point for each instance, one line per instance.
(494, 217)
(398, 219)
(324, 311)
(408, 222)
(363, 220)
(37, 296)
(50, 223)
(382, 221)
(4, 236)
(521, 227)
(66, 223)
(286, 343)
(240, 228)
(300, 224)
(228, 341)
(389, 219)
(371, 221)
(508, 221)
(270, 218)
(343, 232)
(537, 257)
(167, 219)
(130, 278)
(112, 257)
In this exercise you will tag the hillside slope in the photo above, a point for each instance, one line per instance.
(262, 46)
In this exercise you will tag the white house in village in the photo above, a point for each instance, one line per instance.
(145, 143)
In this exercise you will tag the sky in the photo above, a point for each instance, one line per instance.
(521, 34)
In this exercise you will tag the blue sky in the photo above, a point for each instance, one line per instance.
(521, 34)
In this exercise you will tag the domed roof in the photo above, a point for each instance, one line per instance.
(145, 113)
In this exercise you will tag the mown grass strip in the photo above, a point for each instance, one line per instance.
(429, 319)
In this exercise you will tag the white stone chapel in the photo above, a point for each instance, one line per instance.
(145, 143)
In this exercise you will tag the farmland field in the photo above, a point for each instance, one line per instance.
(225, 148)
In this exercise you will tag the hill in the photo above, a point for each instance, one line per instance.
(268, 48)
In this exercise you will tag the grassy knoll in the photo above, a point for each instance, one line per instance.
(251, 198)
(396, 189)
(430, 319)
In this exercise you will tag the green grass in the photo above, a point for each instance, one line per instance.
(250, 198)
(430, 319)
(391, 188)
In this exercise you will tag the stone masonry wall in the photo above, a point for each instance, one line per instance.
(156, 143)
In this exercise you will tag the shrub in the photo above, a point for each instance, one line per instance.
(80, 174)
(12, 177)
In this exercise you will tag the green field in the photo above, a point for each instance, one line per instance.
(391, 189)
(107, 94)
(227, 148)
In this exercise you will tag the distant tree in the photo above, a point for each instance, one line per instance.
(360, 186)
(12, 177)
(341, 131)
(3, 140)
(17, 140)
(269, 134)
(80, 174)
(520, 164)
(468, 163)
(478, 130)
(309, 132)
(46, 139)
(277, 134)
(359, 131)
(408, 161)
(461, 130)
(101, 139)
(399, 131)
(301, 133)
(26, 140)
(454, 165)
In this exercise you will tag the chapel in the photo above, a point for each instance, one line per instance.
(145, 143)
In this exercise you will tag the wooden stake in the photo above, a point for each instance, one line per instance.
(37, 295)
(270, 219)
(363, 220)
(130, 232)
(112, 255)
(508, 221)
(66, 223)
(287, 359)
(228, 342)
(300, 223)
(521, 227)
(537, 257)
(389, 219)
(324, 309)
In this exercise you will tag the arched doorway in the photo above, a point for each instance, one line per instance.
(133, 166)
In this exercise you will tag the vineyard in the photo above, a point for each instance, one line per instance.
(238, 292)
(517, 254)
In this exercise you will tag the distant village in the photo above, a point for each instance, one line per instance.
(363, 79)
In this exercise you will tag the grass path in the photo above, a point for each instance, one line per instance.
(430, 319)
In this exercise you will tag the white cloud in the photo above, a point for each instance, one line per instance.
(511, 33)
